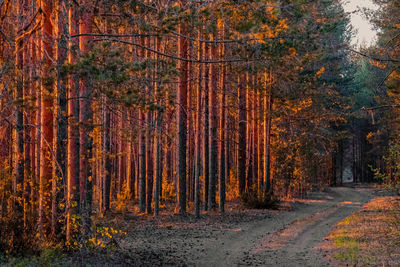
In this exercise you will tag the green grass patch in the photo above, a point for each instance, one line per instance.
(350, 247)
(48, 257)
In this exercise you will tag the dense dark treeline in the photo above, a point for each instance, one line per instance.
(117, 104)
(381, 74)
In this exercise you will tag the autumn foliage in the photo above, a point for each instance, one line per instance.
(133, 105)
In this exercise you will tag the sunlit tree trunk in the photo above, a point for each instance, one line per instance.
(222, 146)
(47, 92)
(261, 145)
(142, 151)
(206, 129)
(157, 139)
(18, 183)
(158, 169)
(61, 140)
(28, 122)
(268, 120)
(142, 164)
(213, 130)
(108, 169)
(255, 131)
(33, 130)
(86, 120)
(73, 197)
(190, 123)
(198, 135)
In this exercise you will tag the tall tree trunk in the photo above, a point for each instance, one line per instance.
(190, 150)
(261, 138)
(182, 119)
(108, 167)
(206, 129)
(149, 138)
(157, 138)
(61, 143)
(268, 118)
(142, 151)
(213, 130)
(46, 163)
(150, 164)
(222, 147)
(73, 198)
(255, 131)
(198, 135)
(158, 170)
(18, 183)
(33, 130)
(242, 133)
(86, 120)
(142, 164)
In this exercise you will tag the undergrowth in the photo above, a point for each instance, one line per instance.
(259, 199)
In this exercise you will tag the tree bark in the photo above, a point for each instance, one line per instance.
(86, 121)
(197, 196)
(73, 198)
(61, 140)
(222, 147)
(182, 119)
(206, 129)
(47, 90)
(18, 183)
(213, 131)
(268, 118)
(242, 133)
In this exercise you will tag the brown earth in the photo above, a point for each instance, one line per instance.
(290, 236)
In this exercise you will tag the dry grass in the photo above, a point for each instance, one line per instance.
(368, 237)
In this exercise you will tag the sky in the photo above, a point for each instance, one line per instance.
(365, 34)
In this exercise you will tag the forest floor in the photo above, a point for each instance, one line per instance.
(295, 235)
(303, 232)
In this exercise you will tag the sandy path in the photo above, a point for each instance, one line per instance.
(240, 238)
(287, 238)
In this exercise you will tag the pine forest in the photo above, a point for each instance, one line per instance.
(198, 133)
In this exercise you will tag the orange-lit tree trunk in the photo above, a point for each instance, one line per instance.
(33, 130)
(38, 57)
(255, 131)
(222, 146)
(61, 143)
(142, 151)
(261, 141)
(157, 140)
(250, 122)
(142, 164)
(18, 183)
(268, 120)
(206, 129)
(213, 130)
(85, 119)
(47, 92)
(198, 135)
(28, 118)
(73, 197)
(182, 119)
(108, 168)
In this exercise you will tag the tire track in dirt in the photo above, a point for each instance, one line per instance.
(287, 238)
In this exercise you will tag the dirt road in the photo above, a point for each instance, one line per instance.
(239, 238)
(288, 238)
